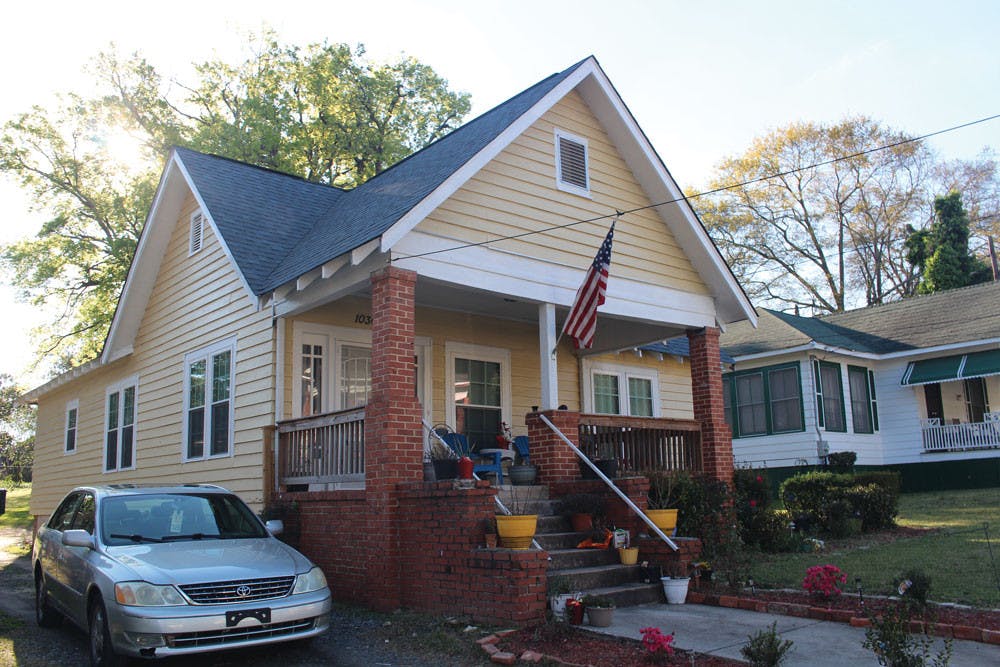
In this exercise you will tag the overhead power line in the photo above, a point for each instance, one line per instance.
(705, 193)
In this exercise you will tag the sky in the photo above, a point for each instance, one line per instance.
(702, 79)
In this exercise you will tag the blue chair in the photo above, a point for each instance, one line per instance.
(460, 445)
(521, 447)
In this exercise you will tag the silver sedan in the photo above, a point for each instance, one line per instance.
(155, 572)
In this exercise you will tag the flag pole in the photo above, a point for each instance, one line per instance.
(618, 215)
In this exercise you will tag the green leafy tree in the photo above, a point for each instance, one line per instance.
(941, 253)
(17, 433)
(321, 112)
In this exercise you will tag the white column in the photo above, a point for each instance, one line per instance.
(547, 356)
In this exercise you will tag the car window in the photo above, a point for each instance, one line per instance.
(83, 519)
(169, 517)
(62, 518)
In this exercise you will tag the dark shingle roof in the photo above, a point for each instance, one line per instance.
(279, 227)
(955, 316)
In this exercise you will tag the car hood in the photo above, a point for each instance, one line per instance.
(209, 560)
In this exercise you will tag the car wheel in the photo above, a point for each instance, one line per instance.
(102, 652)
(45, 615)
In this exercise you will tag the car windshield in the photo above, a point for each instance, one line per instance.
(172, 517)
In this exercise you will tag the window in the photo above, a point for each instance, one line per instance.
(197, 229)
(311, 377)
(119, 440)
(72, 412)
(572, 164)
(208, 405)
(830, 396)
(355, 376)
(621, 390)
(977, 401)
(864, 410)
(763, 401)
(478, 385)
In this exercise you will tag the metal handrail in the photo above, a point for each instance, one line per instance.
(496, 499)
(611, 485)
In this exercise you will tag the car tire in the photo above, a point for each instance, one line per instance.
(45, 615)
(102, 652)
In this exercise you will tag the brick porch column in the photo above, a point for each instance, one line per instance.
(706, 390)
(556, 462)
(393, 433)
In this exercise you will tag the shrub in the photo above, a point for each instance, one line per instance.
(841, 519)
(823, 580)
(913, 586)
(766, 648)
(841, 461)
(876, 506)
(769, 531)
(888, 637)
(813, 498)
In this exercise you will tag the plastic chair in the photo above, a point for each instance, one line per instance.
(521, 447)
(460, 445)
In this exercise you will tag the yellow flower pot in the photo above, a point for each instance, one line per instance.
(629, 555)
(665, 520)
(517, 531)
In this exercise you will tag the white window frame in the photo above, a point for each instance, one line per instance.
(336, 337)
(206, 354)
(119, 388)
(560, 183)
(72, 405)
(624, 372)
(196, 243)
(454, 350)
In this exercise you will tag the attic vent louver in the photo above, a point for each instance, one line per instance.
(197, 224)
(571, 160)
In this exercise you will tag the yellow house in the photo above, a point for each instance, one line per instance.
(258, 303)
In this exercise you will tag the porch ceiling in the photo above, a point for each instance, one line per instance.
(613, 333)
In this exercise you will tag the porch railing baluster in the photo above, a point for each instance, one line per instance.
(322, 449)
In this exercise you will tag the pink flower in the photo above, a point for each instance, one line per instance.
(759, 479)
(753, 503)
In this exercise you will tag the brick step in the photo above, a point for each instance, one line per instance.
(565, 559)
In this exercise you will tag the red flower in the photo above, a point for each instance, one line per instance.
(753, 503)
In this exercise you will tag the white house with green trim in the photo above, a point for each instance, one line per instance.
(913, 384)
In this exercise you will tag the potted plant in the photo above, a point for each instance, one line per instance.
(490, 532)
(600, 610)
(522, 473)
(603, 456)
(559, 595)
(675, 584)
(662, 499)
(582, 509)
(443, 458)
(517, 530)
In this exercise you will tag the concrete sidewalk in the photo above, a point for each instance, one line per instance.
(722, 631)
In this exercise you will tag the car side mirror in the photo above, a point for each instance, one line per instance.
(78, 538)
(275, 526)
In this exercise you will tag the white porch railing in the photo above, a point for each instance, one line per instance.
(322, 449)
(940, 437)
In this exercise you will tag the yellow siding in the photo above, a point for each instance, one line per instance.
(196, 301)
(516, 193)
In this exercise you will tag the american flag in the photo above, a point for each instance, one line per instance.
(581, 324)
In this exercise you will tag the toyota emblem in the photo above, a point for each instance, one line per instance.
(243, 591)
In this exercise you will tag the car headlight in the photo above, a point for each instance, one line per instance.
(313, 580)
(142, 594)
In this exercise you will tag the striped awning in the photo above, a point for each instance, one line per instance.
(955, 367)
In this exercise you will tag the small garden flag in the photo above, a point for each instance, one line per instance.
(581, 324)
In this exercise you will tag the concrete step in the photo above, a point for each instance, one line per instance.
(597, 576)
(548, 524)
(629, 594)
(565, 559)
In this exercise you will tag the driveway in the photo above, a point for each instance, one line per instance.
(356, 638)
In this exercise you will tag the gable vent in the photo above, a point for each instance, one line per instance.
(197, 225)
(572, 162)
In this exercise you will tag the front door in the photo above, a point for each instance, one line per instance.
(976, 400)
(932, 399)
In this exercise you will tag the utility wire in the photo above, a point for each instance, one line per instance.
(704, 193)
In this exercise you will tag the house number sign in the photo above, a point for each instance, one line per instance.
(363, 318)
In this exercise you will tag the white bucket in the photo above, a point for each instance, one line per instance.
(675, 588)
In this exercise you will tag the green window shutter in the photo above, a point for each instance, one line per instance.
(818, 388)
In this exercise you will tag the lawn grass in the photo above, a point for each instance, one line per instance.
(17, 515)
(955, 554)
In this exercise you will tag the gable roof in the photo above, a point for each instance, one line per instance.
(940, 320)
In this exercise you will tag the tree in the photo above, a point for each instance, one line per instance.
(804, 228)
(17, 439)
(321, 112)
(941, 253)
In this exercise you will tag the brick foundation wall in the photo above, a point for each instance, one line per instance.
(443, 565)
(555, 461)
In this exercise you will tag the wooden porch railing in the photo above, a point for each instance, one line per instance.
(940, 437)
(326, 448)
(642, 443)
